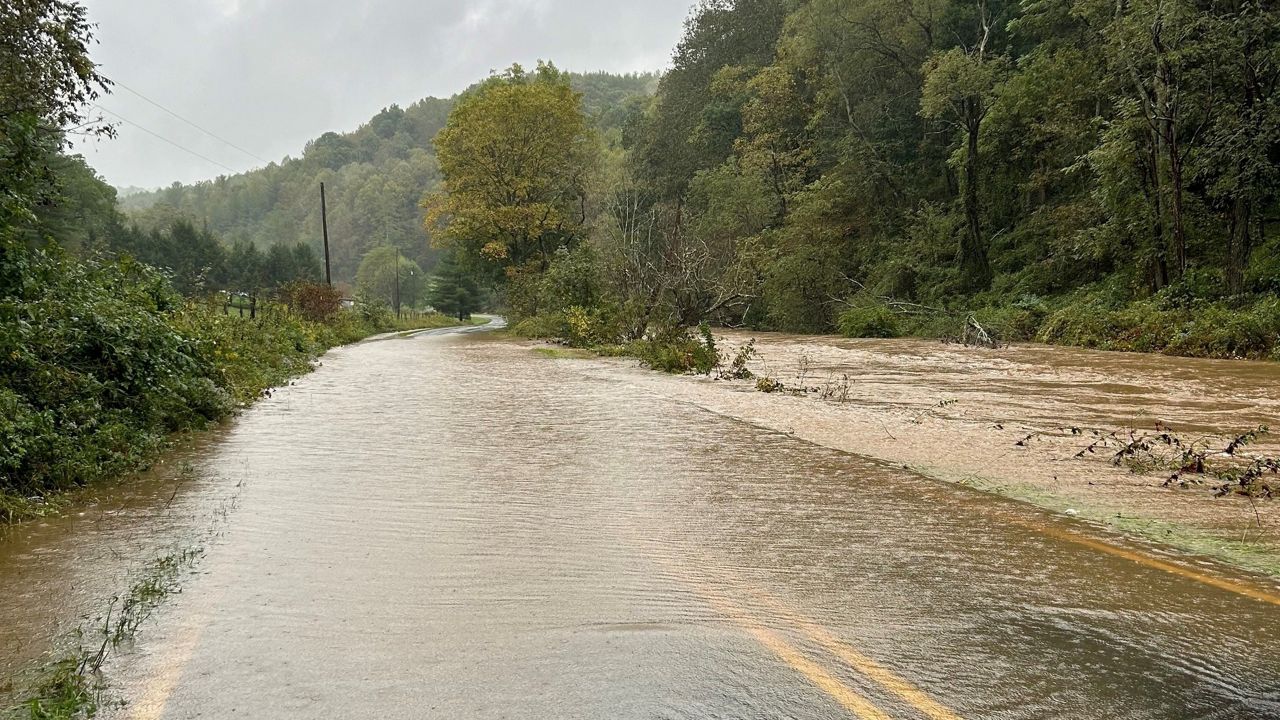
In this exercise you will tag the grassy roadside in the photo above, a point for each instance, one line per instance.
(103, 365)
(1253, 557)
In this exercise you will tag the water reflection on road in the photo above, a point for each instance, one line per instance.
(452, 527)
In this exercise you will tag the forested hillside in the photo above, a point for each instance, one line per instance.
(1076, 171)
(375, 178)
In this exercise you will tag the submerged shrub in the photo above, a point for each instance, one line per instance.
(677, 352)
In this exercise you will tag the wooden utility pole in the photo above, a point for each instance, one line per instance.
(324, 226)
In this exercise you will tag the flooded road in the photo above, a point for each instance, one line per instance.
(452, 526)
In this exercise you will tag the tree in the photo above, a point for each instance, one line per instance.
(245, 267)
(46, 82)
(377, 277)
(1242, 142)
(515, 156)
(195, 257)
(958, 86)
(453, 290)
(690, 128)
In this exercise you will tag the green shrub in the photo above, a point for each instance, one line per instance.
(869, 321)
(677, 352)
(1168, 325)
(1220, 331)
(1083, 325)
(551, 326)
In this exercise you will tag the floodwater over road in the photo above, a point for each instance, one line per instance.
(453, 526)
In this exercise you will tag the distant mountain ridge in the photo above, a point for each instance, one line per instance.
(375, 177)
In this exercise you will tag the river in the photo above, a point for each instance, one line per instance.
(454, 526)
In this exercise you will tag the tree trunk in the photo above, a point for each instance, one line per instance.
(1169, 155)
(1158, 266)
(975, 269)
(1239, 244)
(1177, 226)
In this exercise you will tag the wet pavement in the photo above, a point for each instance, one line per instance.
(453, 526)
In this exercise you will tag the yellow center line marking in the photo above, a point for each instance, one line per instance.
(1221, 583)
(889, 680)
(848, 698)
(159, 688)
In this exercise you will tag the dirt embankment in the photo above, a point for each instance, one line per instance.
(958, 414)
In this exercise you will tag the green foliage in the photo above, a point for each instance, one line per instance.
(1205, 330)
(385, 275)
(677, 353)
(375, 178)
(869, 321)
(801, 288)
(46, 84)
(933, 161)
(514, 155)
(91, 371)
(452, 290)
(199, 263)
(64, 693)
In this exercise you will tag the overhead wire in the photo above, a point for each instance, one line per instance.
(158, 136)
(210, 133)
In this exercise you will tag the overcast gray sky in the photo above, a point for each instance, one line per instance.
(268, 75)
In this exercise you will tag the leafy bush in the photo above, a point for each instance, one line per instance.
(93, 373)
(676, 352)
(1162, 325)
(1020, 320)
(316, 302)
(869, 321)
(542, 327)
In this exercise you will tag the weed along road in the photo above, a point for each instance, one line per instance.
(451, 525)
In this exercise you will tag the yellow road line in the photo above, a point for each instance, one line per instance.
(848, 698)
(892, 682)
(159, 688)
(1151, 562)
(816, 674)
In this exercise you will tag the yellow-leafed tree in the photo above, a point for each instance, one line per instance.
(514, 156)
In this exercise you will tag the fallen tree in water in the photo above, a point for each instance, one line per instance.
(975, 334)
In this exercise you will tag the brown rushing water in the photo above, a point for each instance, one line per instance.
(991, 399)
(451, 526)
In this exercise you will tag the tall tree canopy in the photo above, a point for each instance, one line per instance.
(515, 156)
(46, 81)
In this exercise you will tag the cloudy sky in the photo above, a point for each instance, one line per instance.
(268, 75)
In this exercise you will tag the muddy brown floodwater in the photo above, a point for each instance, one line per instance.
(454, 526)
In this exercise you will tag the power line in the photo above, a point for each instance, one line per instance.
(210, 133)
(161, 137)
